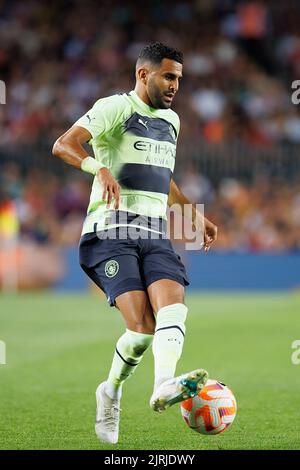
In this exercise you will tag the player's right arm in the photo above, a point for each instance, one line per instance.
(69, 147)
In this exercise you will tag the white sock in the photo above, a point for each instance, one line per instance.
(128, 354)
(168, 341)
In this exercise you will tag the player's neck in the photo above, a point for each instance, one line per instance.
(142, 94)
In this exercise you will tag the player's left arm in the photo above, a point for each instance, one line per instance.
(198, 220)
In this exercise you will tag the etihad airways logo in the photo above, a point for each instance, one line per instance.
(165, 149)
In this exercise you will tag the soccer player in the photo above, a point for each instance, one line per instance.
(134, 137)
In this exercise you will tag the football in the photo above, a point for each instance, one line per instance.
(212, 410)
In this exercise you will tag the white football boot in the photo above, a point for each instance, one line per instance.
(177, 389)
(107, 416)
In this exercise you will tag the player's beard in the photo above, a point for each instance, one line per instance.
(156, 96)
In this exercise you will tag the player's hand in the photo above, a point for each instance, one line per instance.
(210, 234)
(111, 189)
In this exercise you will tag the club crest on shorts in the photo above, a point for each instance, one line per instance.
(111, 268)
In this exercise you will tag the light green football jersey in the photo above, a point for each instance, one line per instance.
(137, 143)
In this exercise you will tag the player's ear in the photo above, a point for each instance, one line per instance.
(142, 74)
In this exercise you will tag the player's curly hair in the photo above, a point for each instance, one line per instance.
(157, 51)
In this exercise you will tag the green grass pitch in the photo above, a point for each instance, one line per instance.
(60, 347)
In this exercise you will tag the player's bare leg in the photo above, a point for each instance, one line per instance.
(167, 299)
(137, 311)
(140, 323)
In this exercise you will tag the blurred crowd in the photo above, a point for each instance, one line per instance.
(240, 59)
(263, 216)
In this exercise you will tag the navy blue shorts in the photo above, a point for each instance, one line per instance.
(123, 265)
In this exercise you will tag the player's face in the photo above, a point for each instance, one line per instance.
(163, 83)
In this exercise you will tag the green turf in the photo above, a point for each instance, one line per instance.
(60, 347)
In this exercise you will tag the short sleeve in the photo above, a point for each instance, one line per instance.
(103, 116)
